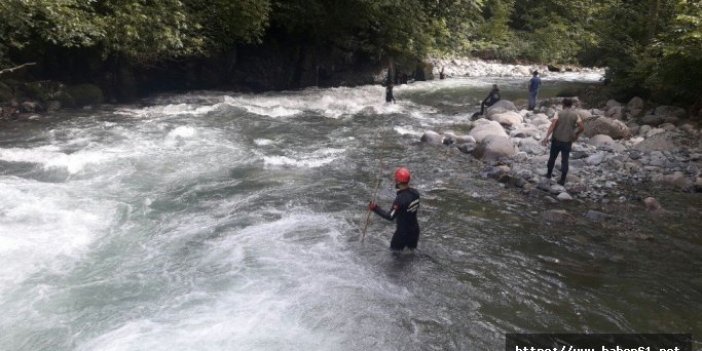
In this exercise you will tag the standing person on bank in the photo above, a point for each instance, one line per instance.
(404, 209)
(566, 128)
(534, 85)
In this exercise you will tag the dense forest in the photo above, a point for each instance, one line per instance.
(652, 48)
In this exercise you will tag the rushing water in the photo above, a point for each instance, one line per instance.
(219, 221)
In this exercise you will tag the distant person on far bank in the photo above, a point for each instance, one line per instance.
(389, 97)
(566, 129)
(491, 99)
(534, 85)
(442, 75)
(404, 211)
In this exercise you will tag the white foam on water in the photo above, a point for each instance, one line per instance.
(45, 227)
(168, 110)
(315, 159)
(406, 130)
(293, 286)
(263, 142)
(50, 157)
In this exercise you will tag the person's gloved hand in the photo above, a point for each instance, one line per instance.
(372, 206)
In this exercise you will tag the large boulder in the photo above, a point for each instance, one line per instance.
(540, 119)
(432, 137)
(509, 118)
(484, 128)
(635, 106)
(652, 120)
(606, 141)
(608, 126)
(525, 131)
(658, 142)
(466, 144)
(494, 147)
(500, 107)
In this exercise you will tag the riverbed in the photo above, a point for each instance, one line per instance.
(227, 221)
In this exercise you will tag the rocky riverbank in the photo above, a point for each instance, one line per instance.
(625, 149)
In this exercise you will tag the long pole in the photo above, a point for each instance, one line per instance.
(375, 192)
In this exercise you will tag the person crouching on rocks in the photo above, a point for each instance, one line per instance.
(404, 209)
(566, 128)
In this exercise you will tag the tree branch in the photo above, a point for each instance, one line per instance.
(10, 70)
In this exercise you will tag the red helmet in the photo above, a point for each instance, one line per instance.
(402, 175)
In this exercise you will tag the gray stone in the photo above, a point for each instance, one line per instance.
(564, 196)
(558, 216)
(432, 137)
(502, 105)
(670, 111)
(597, 216)
(607, 126)
(635, 106)
(508, 118)
(494, 147)
(657, 142)
(484, 128)
(652, 120)
(595, 159)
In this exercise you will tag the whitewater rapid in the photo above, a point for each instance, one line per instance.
(227, 221)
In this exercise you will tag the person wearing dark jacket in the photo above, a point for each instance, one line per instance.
(491, 99)
(404, 211)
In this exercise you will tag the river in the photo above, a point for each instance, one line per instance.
(226, 221)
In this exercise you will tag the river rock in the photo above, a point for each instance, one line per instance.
(677, 179)
(525, 131)
(597, 216)
(539, 119)
(654, 131)
(564, 196)
(652, 204)
(667, 127)
(432, 137)
(558, 216)
(508, 118)
(698, 184)
(657, 142)
(484, 128)
(604, 125)
(493, 147)
(635, 106)
(501, 106)
(612, 103)
(466, 143)
(615, 112)
(670, 111)
(531, 147)
(605, 142)
(595, 159)
(652, 120)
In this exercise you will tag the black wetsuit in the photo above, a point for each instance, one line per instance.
(389, 97)
(491, 99)
(404, 208)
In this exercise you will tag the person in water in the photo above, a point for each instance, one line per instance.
(534, 85)
(389, 97)
(566, 128)
(404, 209)
(491, 99)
